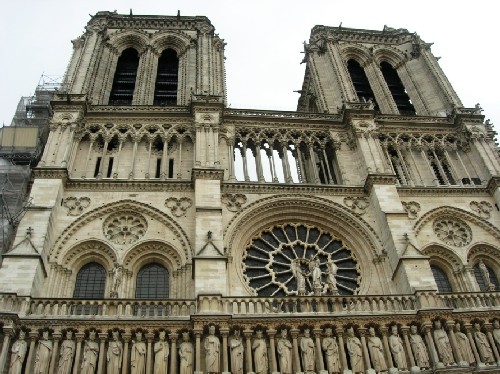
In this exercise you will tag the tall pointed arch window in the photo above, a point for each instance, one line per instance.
(90, 282)
(152, 282)
(360, 82)
(123, 88)
(442, 281)
(167, 78)
(397, 89)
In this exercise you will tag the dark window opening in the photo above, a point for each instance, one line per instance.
(152, 282)
(123, 88)
(158, 168)
(480, 278)
(360, 82)
(397, 89)
(90, 282)
(166, 78)
(442, 282)
(171, 168)
(97, 166)
(110, 167)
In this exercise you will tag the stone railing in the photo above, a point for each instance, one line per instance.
(248, 306)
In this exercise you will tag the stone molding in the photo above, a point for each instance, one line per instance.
(379, 179)
(209, 174)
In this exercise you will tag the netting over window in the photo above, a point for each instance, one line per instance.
(281, 261)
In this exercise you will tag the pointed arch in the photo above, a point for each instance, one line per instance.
(393, 56)
(178, 41)
(124, 39)
(356, 52)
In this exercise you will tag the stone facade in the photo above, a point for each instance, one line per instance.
(350, 235)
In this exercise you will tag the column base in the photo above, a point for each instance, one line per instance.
(481, 365)
(394, 370)
(415, 369)
(323, 372)
(198, 372)
(370, 371)
(347, 371)
(464, 364)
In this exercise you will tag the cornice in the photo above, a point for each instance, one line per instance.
(384, 179)
(50, 173)
(230, 113)
(493, 184)
(443, 191)
(128, 185)
(137, 110)
(210, 174)
(273, 188)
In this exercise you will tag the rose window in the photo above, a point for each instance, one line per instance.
(282, 260)
(125, 227)
(453, 231)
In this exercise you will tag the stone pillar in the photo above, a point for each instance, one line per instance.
(29, 362)
(197, 361)
(102, 354)
(468, 329)
(173, 353)
(126, 340)
(366, 356)
(295, 356)
(319, 353)
(224, 331)
(453, 341)
(79, 339)
(248, 336)
(387, 350)
(432, 347)
(343, 358)
(8, 333)
(493, 345)
(272, 344)
(408, 346)
(56, 336)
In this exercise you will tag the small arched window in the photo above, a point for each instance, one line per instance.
(90, 282)
(397, 89)
(442, 282)
(485, 277)
(166, 78)
(152, 282)
(360, 82)
(123, 88)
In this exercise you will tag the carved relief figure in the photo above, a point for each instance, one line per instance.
(463, 345)
(443, 344)
(285, 353)
(259, 348)
(66, 354)
(90, 353)
(355, 353)
(237, 349)
(496, 332)
(43, 354)
(117, 281)
(138, 355)
(483, 346)
(331, 349)
(419, 348)
(398, 352)
(376, 351)
(331, 281)
(316, 277)
(212, 351)
(115, 354)
(162, 351)
(186, 355)
(18, 350)
(307, 349)
(299, 277)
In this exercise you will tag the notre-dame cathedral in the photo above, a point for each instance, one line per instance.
(170, 233)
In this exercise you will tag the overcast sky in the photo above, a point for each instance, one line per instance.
(264, 40)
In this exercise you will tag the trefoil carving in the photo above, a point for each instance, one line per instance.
(234, 202)
(179, 206)
(412, 208)
(76, 205)
(482, 208)
(358, 205)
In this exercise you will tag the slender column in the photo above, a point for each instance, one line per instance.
(56, 338)
(319, 355)
(230, 157)
(79, 339)
(408, 346)
(179, 166)
(173, 353)
(451, 168)
(132, 167)
(325, 157)
(116, 166)
(286, 167)
(197, 146)
(298, 160)
(197, 334)
(225, 363)
(313, 163)
(468, 329)
(440, 167)
(149, 358)
(274, 366)
(8, 333)
(410, 151)
(29, 363)
(71, 142)
(432, 347)
(493, 345)
(102, 343)
(343, 358)
(295, 346)
(463, 166)
(126, 341)
(486, 157)
(387, 350)
(45, 155)
(103, 155)
(149, 159)
(404, 167)
(216, 145)
(92, 139)
(424, 156)
(269, 152)
(258, 163)
(164, 160)
(245, 165)
(453, 341)
(208, 133)
(248, 336)
(362, 333)
(56, 151)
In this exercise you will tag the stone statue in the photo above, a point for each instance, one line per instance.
(212, 351)
(138, 355)
(90, 353)
(237, 350)
(316, 277)
(115, 354)
(496, 332)
(483, 346)
(331, 349)
(486, 276)
(66, 354)
(117, 281)
(443, 344)
(463, 345)
(376, 349)
(331, 281)
(43, 354)
(397, 349)
(186, 355)
(259, 348)
(299, 277)
(307, 349)
(419, 348)
(18, 355)
(285, 353)
(355, 352)
(162, 351)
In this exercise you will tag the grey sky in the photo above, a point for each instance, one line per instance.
(264, 40)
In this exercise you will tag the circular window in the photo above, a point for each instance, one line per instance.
(282, 260)
(453, 231)
(125, 227)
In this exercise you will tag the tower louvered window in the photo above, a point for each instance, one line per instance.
(123, 88)
(166, 78)
(360, 82)
(397, 89)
